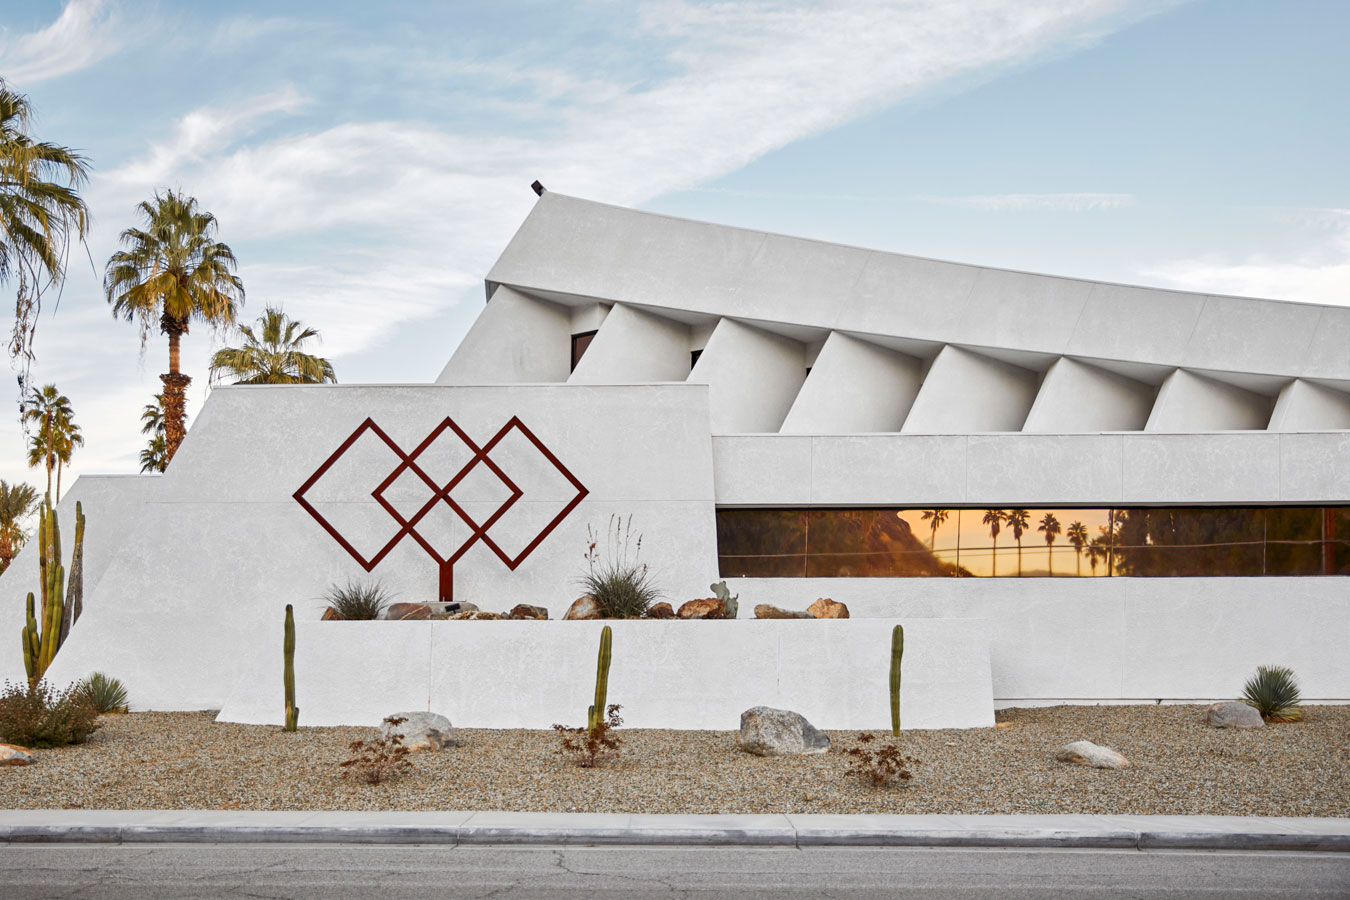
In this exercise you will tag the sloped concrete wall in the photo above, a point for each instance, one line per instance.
(112, 506)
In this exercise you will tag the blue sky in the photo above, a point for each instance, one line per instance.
(369, 161)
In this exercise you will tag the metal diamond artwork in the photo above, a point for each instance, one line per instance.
(441, 493)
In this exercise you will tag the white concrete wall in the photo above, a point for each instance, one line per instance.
(854, 386)
(632, 347)
(966, 392)
(1031, 469)
(752, 376)
(1075, 396)
(515, 340)
(1305, 406)
(673, 674)
(1093, 639)
(222, 546)
(1188, 402)
(112, 506)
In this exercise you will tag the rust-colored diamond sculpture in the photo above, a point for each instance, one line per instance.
(441, 493)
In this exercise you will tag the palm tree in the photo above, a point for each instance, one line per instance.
(276, 357)
(936, 517)
(57, 435)
(41, 212)
(152, 423)
(17, 502)
(1099, 549)
(155, 457)
(1050, 526)
(1019, 521)
(994, 518)
(1078, 536)
(173, 271)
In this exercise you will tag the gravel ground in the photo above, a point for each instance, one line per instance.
(1180, 766)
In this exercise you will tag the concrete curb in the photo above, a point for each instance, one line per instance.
(477, 828)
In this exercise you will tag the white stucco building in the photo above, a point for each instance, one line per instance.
(1080, 491)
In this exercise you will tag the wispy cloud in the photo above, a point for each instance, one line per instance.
(84, 33)
(362, 223)
(1320, 273)
(1081, 202)
(738, 80)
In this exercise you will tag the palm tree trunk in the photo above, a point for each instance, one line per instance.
(58, 481)
(50, 464)
(175, 389)
(993, 560)
(1019, 557)
(1050, 555)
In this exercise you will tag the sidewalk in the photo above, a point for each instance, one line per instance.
(456, 828)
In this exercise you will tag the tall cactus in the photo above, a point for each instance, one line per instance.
(46, 630)
(897, 651)
(596, 714)
(75, 585)
(288, 675)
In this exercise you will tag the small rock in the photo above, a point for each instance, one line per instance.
(330, 615)
(779, 732)
(1234, 714)
(584, 607)
(420, 731)
(825, 608)
(660, 610)
(476, 615)
(399, 611)
(707, 608)
(14, 755)
(1086, 753)
(765, 611)
(526, 611)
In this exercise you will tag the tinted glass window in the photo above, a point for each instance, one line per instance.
(1040, 542)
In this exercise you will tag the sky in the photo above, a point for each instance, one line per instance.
(367, 162)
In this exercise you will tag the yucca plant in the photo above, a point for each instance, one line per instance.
(106, 695)
(1274, 693)
(358, 600)
(621, 584)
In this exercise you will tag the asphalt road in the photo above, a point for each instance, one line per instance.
(332, 872)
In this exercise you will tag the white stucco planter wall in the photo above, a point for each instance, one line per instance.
(1087, 640)
(665, 674)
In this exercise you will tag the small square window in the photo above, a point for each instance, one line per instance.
(579, 344)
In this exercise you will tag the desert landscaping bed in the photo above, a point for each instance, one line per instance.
(1179, 766)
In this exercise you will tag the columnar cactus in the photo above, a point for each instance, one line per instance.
(288, 674)
(897, 651)
(44, 632)
(596, 714)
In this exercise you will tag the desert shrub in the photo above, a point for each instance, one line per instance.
(380, 760)
(881, 766)
(358, 600)
(589, 746)
(106, 695)
(620, 583)
(1274, 693)
(40, 716)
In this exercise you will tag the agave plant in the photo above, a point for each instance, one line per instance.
(1274, 693)
(106, 695)
(358, 600)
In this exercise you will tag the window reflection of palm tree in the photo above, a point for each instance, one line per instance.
(1050, 526)
(1019, 520)
(935, 517)
(1078, 536)
(1099, 549)
(994, 519)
